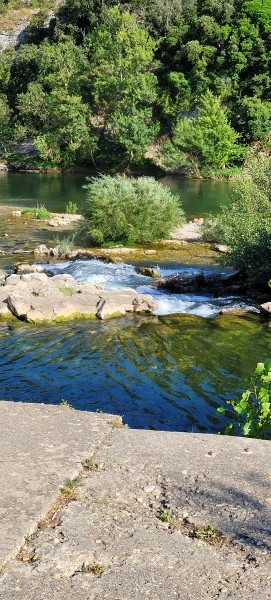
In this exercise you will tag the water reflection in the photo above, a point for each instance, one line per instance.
(166, 373)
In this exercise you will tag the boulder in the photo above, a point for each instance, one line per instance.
(41, 250)
(188, 281)
(265, 309)
(3, 276)
(24, 268)
(4, 308)
(150, 272)
(35, 297)
(12, 279)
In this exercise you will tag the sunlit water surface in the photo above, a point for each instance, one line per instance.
(167, 371)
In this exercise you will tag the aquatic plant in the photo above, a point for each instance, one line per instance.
(71, 208)
(40, 212)
(65, 245)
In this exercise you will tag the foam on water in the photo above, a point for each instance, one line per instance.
(113, 277)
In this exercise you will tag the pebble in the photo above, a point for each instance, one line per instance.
(149, 488)
(184, 472)
(140, 500)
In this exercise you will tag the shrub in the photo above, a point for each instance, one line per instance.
(129, 210)
(254, 406)
(71, 208)
(245, 225)
(65, 245)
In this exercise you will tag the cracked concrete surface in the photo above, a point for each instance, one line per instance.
(110, 542)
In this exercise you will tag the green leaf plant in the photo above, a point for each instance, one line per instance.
(254, 406)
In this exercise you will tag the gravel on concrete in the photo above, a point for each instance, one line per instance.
(158, 515)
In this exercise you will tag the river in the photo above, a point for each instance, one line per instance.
(55, 191)
(169, 371)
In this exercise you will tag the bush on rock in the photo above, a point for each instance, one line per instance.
(129, 210)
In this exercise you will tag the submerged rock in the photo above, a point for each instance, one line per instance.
(34, 297)
(150, 272)
(191, 282)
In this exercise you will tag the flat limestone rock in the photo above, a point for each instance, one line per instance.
(35, 297)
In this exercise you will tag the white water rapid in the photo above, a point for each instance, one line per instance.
(115, 276)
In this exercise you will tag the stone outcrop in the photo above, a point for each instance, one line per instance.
(188, 281)
(63, 220)
(35, 297)
(265, 309)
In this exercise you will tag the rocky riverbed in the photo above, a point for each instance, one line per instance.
(35, 297)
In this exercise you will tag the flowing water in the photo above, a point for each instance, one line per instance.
(113, 277)
(167, 371)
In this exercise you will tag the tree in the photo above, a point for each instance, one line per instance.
(129, 210)
(255, 117)
(66, 135)
(123, 85)
(246, 222)
(5, 124)
(121, 63)
(133, 132)
(207, 140)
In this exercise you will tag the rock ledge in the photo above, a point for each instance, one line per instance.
(36, 297)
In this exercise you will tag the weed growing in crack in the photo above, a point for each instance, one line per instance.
(70, 489)
(89, 465)
(64, 402)
(95, 569)
(166, 516)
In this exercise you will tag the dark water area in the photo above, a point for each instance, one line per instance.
(54, 191)
(167, 373)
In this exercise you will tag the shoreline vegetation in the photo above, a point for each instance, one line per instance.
(137, 87)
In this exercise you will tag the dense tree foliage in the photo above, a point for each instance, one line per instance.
(245, 225)
(133, 73)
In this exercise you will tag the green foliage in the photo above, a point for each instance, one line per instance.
(245, 225)
(129, 210)
(255, 117)
(166, 516)
(197, 73)
(121, 55)
(5, 124)
(40, 212)
(71, 208)
(66, 134)
(133, 132)
(205, 141)
(66, 244)
(261, 10)
(254, 406)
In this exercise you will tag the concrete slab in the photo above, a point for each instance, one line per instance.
(111, 543)
(40, 447)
